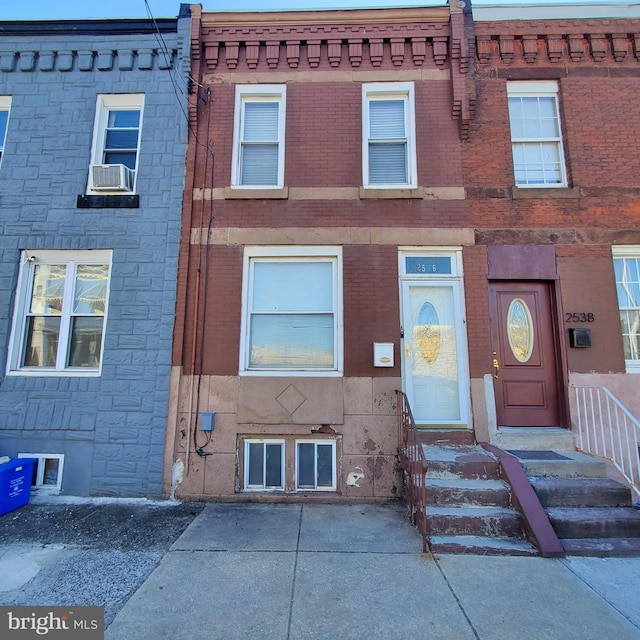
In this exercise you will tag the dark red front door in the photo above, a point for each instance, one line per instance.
(524, 354)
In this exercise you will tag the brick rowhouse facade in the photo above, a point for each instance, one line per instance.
(565, 237)
(489, 300)
(323, 59)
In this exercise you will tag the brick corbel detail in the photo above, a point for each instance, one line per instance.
(313, 52)
(211, 53)
(440, 49)
(530, 49)
(598, 47)
(418, 51)
(636, 45)
(376, 51)
(576, 48)
(231, 54)
(397, 51)
(293, 53)
(196, 50)
(252, 52)
(506, 49)
(334, 52)
(483, 48)
(355, 52)
(273, 53)
(554, 48)
(619, 44)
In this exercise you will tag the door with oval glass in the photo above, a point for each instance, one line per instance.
(434, 366)
(525, 369)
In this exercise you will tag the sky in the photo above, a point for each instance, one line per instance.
(80, 9)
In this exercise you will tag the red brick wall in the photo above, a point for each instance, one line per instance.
(371, 307)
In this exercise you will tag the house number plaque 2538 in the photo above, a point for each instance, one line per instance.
(579, 317)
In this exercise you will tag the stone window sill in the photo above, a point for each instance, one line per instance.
(231, 193)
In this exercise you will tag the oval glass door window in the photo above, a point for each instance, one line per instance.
(427, 333)
(520, 330)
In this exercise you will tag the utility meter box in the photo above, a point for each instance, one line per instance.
(383, 354)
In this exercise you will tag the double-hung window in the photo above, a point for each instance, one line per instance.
(61, 307)
(536, 136)
(292, 310)
(116, 143)
(626, 263)
(388, 135)
(5, 105)
(258, 148)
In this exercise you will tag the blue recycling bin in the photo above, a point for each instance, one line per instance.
(15, 483)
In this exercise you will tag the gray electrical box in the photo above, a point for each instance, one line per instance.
(207, 421)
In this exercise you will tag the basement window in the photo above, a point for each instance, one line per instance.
(47, 472)
(315, 465)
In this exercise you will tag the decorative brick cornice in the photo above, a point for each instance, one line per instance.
(570, 42)
(31, 61)
(290, 40)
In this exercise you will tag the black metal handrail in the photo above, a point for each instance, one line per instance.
(413, 464)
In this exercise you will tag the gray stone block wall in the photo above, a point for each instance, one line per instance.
(111, 428)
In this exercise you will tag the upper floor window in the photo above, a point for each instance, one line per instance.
(536, 136)
(5, 105)
(258, 146)
(61, 305)
(292, 310)
(116, 143)
(388, 135)
(626, 263)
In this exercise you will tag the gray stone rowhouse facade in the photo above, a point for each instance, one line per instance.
(109, 427)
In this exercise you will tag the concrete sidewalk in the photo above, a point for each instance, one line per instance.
(291, 571)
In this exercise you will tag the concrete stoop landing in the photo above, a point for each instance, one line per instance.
(469, 507)
(591, 513)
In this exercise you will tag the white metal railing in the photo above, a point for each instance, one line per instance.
(607, 428)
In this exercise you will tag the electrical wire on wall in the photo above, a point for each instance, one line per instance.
(205, 284)
(201, 283)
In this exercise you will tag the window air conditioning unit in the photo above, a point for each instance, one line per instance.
(111, 177)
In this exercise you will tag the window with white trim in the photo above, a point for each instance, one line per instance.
(626, 264)
(5, 106)
(59, 319)
(116, 143)
(536, 135)
(388, 135)
(315, 465)
(47, 471)
(258, 139)
(292, 310)
(263, 465)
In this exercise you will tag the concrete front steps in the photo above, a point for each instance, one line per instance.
(469, 508)
(590, 513)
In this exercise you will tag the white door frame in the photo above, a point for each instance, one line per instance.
(435, 267)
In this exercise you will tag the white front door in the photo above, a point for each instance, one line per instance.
(434, 369)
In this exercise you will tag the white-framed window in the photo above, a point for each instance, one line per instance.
(536, 134)
(116, 143)
(60, 313)
(258, 137)
(5, 106)
(315, 465)
(626, 264)
(264, 465)
(292, 311)
(388, 135)
(47, 471)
